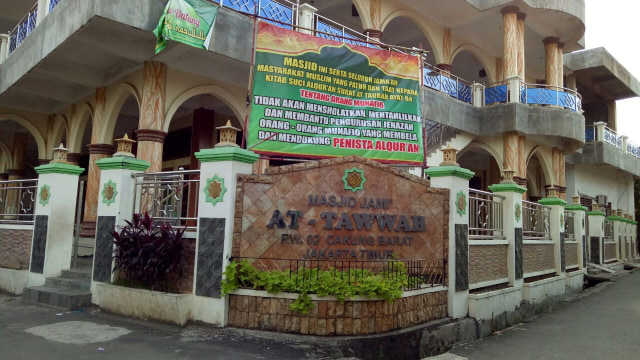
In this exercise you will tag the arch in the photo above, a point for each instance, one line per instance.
(84, 111)
(480, 145)
(483, 59)
(112, 110)
(7, 156)
(427, 31)
(60, 128)
(363, 11)
(40, 142)
(229, 99)
(547, 170)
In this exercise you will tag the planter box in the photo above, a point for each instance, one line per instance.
(145, 304)
(13, 281)
(485, 306)
(537, 291)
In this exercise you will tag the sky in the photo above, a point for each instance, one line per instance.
(614, 24)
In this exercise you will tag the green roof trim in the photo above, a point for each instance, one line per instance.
(616, 218)
(227, 153)
(122, 162)
(441, 171)
(596, 213)
(575, 207)
(59, 168)
(554, 200)
(507, 188)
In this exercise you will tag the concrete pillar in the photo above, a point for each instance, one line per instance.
(556, 227)
(599, 135)
(512, 225)
(305, 18)
(4, 47)
(218, 173)
(560, 62)
(579, 217)
(521, 174)
(55, 209)
(43, 10)
(449, 175)
(478, 95)
(634, 239)
(513, 83)
(521, 27)
(510, 150)
(116, 206)
(596, 236)
(619, 234)
(570, 82)
(3, 196)
(551, 60)
(96, 153)
(16, 172)
(625, 140)
(446, 51)
(612, 118)
(510, 40)
(150, 135)
(499, 69)
(558, 164)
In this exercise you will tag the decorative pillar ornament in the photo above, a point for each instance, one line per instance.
(576, 199)
(60, 155)
(449, 156)
(507, 176)
(552, 191)
(228, 135)
(124, 146)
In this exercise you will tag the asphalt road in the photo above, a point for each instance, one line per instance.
(603, 323)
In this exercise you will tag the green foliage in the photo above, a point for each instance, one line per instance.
(341, 284)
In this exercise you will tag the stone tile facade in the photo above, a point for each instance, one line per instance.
(571, 254)
(487, 262)
(538, 257)
(610, 251)
(330, 317)
(15, 248)
(185, 285)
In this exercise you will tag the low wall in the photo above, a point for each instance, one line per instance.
(541, 290)
(487, 263)
(537, 258)
(13, 281)
(571, 254)
(185, 284)
(489, 304)
(15, 246)
(575, 281)
(260, 310)
(610, 251)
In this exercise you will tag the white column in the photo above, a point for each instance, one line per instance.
(599, 135)
(4, 47)
(596, 229)
(216, 204)
(625, 139)
(557, 230)
(43, 10)
(514, 88)
(478, 95)
(54, 217)
(579, 230)
(456, 179)
(115, 200)
(305, 17)
(512, 225)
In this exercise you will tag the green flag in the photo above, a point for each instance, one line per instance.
(187, 21)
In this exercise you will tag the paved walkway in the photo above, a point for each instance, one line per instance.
(603, 323)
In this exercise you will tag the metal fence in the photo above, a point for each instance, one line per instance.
(485, 215)
(538, 94)
(536, 221)
(447, 83)
(423, 273)
(611, 138)
(169, 197)
(496, 93)
(569, 230)
(17, 201)
(438, 134)
(23, 29)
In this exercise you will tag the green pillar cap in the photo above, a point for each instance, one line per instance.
(122, 162)
(575, 207)
(616, 218)
(227, 154)
(59, 168)
(456, 171)
(596, 213)
(508, 187)
(553, 200)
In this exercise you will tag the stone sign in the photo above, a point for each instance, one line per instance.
(341, 209)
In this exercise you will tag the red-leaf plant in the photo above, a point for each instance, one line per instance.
(148, 255)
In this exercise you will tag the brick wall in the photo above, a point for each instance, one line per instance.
(571, 254)
(538, 257)
(185, 285)
(333, 318)
(487, 262)
(610, 251)
(15, 248)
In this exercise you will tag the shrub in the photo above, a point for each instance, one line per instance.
(147, 255)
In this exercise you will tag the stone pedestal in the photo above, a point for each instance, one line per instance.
(456, 179)
(52, 244)
(115, 206)
(216, 204)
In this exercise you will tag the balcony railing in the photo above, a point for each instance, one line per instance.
(23, 29)
(17, 201)
(169, 197)
(599, 132)
(535, 94)
(497, 93)
(569, 230)
(611, 138)
(53, 4)
(447, 83)
(536, 221)
(485, 215)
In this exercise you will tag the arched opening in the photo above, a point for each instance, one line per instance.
(404, 32)
(23, 147)
(127, 120)
(484, 165)
(536, 179)
(468, 67)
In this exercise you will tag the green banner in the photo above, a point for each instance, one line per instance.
(317, 98)
(187, 21)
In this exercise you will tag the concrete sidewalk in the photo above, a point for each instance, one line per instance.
(603, 323)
